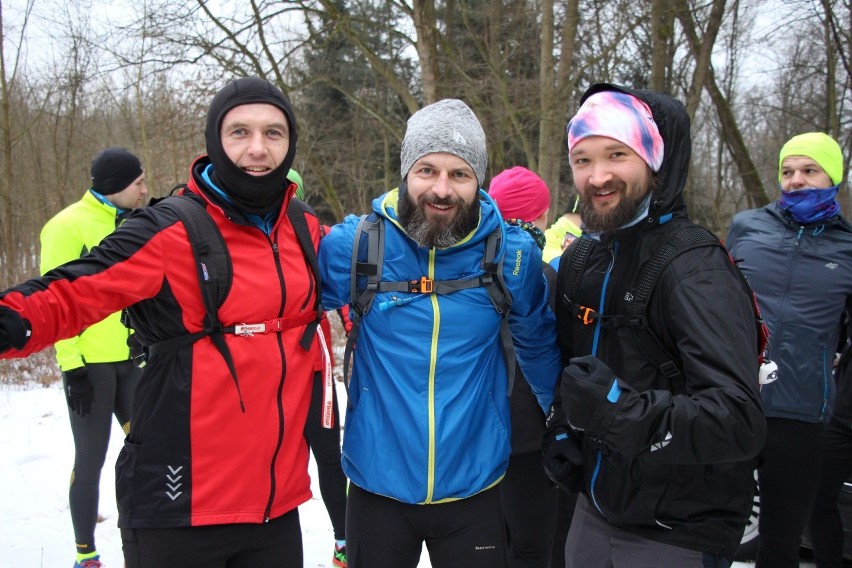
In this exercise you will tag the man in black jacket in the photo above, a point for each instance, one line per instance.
(667, 459)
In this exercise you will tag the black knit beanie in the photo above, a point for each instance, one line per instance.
(113, 170)
(252, 194)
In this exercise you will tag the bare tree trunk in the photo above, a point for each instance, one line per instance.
(8, 247)
(703, 53)
(554, 96)
(736, 145)
(427, 49)
(752, 185)
(832, 118)
(662, 24)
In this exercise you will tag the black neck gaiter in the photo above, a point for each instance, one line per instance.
(258, 195)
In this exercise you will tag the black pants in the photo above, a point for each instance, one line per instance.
(528, 498)
(386, 533)
(826, 528)
(276, 544)
(325, 445)
(114, 384)
(788, 477)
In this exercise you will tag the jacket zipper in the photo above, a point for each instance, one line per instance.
(436, 324)
(783, 312)
(272, 481)
(786, 295)
(613, 251)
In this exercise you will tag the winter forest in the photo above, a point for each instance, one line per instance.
(79, 75)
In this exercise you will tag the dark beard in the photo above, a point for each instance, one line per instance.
(595, 221)
(437, 233)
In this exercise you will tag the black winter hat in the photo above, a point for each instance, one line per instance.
(253, 194)
(113, 169)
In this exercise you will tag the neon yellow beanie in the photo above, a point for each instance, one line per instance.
(294, 176)
(821, 148)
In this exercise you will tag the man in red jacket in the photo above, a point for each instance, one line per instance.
(215, 463)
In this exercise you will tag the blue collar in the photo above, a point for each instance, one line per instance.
(105, 201)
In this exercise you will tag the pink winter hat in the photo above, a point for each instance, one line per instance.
(621, 117)
(519, 194)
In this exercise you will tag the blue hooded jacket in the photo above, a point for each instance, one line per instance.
(428, 413)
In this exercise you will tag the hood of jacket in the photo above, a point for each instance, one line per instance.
(673, 123)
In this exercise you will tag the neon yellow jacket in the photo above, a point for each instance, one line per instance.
(555, 235)
(67, 236)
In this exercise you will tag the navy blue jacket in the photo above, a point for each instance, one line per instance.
(802, 277)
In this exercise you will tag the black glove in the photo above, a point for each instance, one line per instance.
(587, 384)
(562, 454)
(14, 330)
(79, 391)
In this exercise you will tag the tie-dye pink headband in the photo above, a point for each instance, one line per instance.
(622, 117)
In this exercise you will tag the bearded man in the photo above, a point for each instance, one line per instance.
(662, 451)
(427, 424)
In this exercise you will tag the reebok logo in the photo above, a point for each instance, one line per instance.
(517, 269)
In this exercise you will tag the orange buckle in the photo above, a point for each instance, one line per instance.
(422, 286)
(585, 314)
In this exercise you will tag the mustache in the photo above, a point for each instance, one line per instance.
(613, 184)
(434, 200)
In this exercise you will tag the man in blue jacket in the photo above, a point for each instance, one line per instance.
(797, 254)
(427, 424)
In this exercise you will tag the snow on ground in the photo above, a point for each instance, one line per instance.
(36, 455)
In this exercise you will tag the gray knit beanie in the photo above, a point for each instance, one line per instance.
(446, 126)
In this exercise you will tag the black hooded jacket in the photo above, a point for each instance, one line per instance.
(672, 467)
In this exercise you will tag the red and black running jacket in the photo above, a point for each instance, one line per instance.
(194, 456)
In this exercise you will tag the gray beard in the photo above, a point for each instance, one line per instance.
(437, 234)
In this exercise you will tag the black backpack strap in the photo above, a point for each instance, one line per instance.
(493, 280)
(368, 249)
(500, 297)
(686, 238)
(296, 212)
(366, 281)
(573, 265)
(179, 189)
(215, 274)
